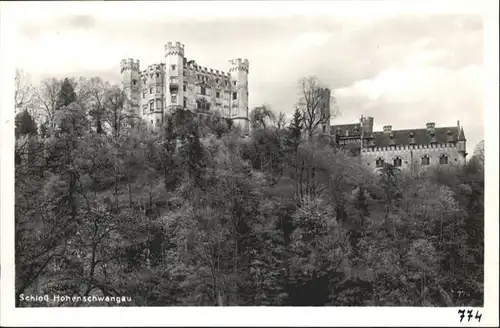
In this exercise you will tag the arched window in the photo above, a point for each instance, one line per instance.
(379, 162)
(397, 161)
(426, 160)
(443, 159)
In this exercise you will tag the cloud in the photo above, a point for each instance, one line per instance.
(308, 41)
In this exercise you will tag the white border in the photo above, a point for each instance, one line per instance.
(249, 316)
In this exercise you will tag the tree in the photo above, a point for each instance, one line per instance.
(25, 124)
(316, 104)
(47, 97)
(24, 94)
(66, 94)
(116, 117)
(260, 117)
(94, 92)
(280, 121)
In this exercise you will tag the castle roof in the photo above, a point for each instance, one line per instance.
(401, 137)
(420, 136)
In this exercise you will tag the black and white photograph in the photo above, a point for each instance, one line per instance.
(255, 154)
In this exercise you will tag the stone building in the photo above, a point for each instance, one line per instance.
(181, 83)
(412, 149)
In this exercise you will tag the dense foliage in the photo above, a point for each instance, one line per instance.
(196, 214)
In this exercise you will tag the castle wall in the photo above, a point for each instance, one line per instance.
(412, 154)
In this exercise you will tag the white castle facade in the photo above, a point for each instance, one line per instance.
(180, 83)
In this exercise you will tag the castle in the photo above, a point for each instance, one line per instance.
(181, 83)
(413, 149)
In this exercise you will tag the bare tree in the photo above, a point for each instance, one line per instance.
(280, 120)
(316, 105)
(92, 96)
(47, 97)
(115, 100)
(24, 94)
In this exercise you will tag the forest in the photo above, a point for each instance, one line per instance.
(197, 214)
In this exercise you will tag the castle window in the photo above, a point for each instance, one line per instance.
(443, 159)
(174, 99)
(346, 132)
(151, 121)
(234, 83)
(216, 80)
(217, 94)
(235, 96)
(134, 81)
(173, 67)
(184, 87)
(144, 94)
(151, 90)
(426, 160)
(158, 89)
(184, 102)
(151, 106)
(398, 162)
(157, 74)
(379, 162)
(158, 104)
(157, 121)
(203, 91)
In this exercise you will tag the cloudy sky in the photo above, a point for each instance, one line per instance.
(403, 69)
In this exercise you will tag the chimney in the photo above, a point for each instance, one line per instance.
(387, 129)
(430, 126)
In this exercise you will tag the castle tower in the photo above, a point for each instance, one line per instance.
(130, 80)
(239, 93)
(153, 94)
(174, 75)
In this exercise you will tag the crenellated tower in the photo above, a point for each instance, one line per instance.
(174, 75)
(130, 80)
(239, 93)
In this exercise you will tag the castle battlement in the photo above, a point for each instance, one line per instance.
(397, 148)
(239, 64)
(174, 49)
(151, 71)
(129, 64)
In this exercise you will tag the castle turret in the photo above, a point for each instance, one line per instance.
(130, 80)
(174, 75)
(461, 142)
(239, 93)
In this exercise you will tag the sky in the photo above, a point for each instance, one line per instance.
(403, 69)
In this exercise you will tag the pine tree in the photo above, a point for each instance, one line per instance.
(66, 95)
(25, 124)
(294, 133)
